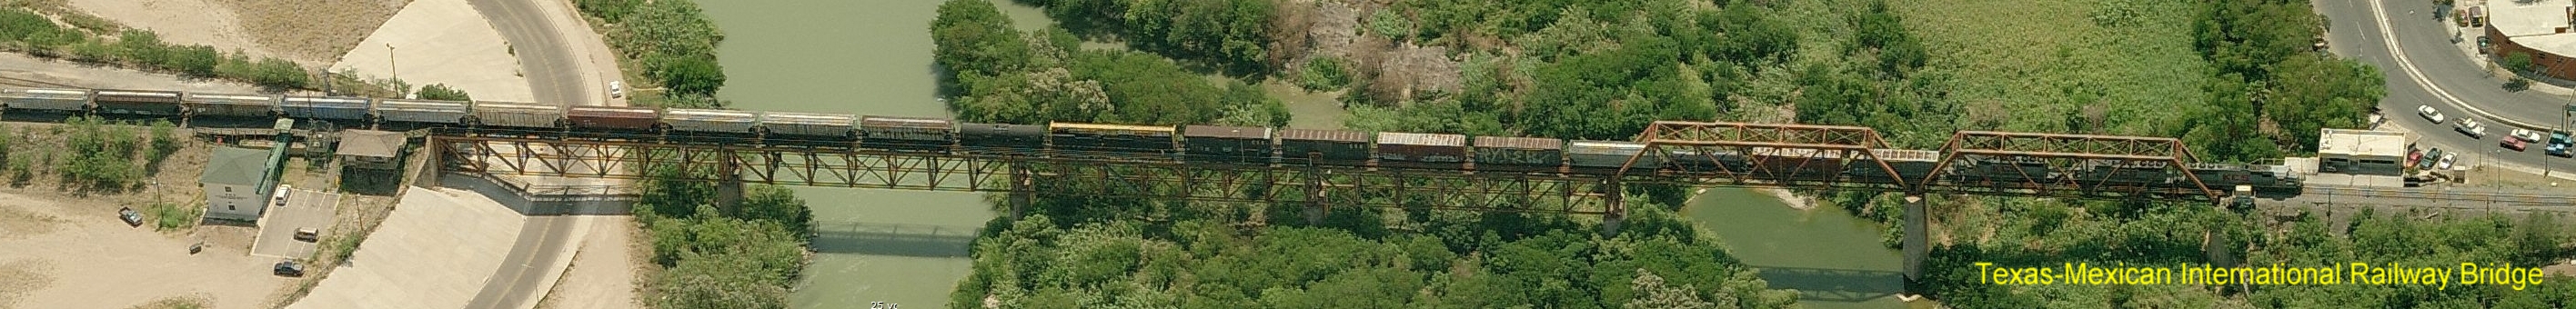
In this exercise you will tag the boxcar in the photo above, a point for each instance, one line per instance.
(810, 125)
(43, 99)
(1421, 147)
(1342, 147)
(422, 111)
(232, 105)
(628, 118)
(1706, 160)
(330, 108)
(517, 115)
(1090, 138)
(710, 120)
(1797, 163)
(1609, 155)
(1227, 144)
(1493, 151)
(905, 133)
(138, 102)
(1002, 138)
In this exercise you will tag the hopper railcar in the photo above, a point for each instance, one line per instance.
(47, 100)
(138, 102)
(906, 134)
(232, 105)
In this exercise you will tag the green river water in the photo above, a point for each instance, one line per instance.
(872, 57)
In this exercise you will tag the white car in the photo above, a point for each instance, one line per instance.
(2526, 135)
(279, 199)
(2447, 158)
(616, 89)
(2472, 127)
(2428, 113)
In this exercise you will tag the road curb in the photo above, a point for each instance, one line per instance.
(2388, 37)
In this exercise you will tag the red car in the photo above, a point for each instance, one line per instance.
(2413, 155)
(2513, 143)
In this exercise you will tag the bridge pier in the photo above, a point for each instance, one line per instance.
(1023, 191)
(1614, 208)
(729, 189)
(1916, 244)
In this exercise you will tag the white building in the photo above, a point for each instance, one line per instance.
(2362, 152)
(236, 184)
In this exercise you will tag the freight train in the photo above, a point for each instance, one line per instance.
(1194, 144)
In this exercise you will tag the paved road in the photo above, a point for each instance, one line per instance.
(554, 76)
(545, 57)
(2425, 68)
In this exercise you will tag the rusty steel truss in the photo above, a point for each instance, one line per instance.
(2065, 165)
(1755, 154)
(1314, 186)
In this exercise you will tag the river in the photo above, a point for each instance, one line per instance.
(872, 57)
(867, 57)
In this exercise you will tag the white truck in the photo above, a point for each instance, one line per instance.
(2472, 127)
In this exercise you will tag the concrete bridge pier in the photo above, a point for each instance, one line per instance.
(1916, 244)
(1614, 208)
(729, 189)
(1023, 191)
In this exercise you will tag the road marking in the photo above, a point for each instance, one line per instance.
(2389, 37)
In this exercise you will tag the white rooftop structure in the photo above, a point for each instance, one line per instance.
(2361, 152)
(2515, 18)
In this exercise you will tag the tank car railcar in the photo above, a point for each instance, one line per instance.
(1227, 144)
(1330, 147)
(1002, 139)
(1112, 141)
(46, 100)
(325, 108)
(422, 111)
(906, 134)
(232, 105)
(614, 118)
(1518, 153)
(138, 102)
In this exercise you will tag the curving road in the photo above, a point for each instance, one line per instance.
(556, 74)
(2423, 67)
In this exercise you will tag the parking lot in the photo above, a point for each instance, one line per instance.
(304, 209)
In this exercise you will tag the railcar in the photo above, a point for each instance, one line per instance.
(1434, 150)
(2126, 174)
(2004, 172)
(614, 118)
(906, 133)
(810, 126)
(232, 105)
(1227, 144)
(710, 121)
(1604, 157)
(1332, 147)
(1002, 139)
(46, 100)
(325, 108)
(518, 115)
(1911, 165)
(138, 102)
(1517, 153)
(1705, 159)
(422, 111)
(1110, 140)
(1797, 163)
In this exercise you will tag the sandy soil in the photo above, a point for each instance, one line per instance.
(94, 261)
(441, 42)
(179, 22)
(14, 65)
(603, 274)
(313, 32)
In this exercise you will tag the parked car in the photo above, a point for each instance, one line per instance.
(2428, 113)
(289, 268)
(2558, 144)
(279, 199)
(132, 218)
(307, 235)
(2526, 135)
(2513, 143)
(616, 89)
(2447, 158)
(2414, 155)
(2430, 156)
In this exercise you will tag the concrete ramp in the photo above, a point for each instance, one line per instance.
(436, 250)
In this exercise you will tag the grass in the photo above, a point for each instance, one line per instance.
(168, 216)
(2014, 59)
(181, 302)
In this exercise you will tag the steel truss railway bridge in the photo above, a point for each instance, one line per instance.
(734, 162)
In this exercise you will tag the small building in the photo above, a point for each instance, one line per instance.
(370, 149)
(2361, 152)
(236, 183)
(2539, 28)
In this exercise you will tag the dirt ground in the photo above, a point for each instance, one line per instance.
(312, 32)
(66, 73)
(91, 260)
(603, 275)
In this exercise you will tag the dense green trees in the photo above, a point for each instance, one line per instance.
(442, 92)
(672, 42)
(1229, 35)
(22, 30)
(1007, 76)
(721, 257)
(2267, 71)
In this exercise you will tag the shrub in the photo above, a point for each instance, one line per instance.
(279, 74)
(142, 48)
(168, 216)
(92, 51)
(193, 60)
(18, 25)
(1323, 74)
(694, 75)
(442, 92)
(2518, 62)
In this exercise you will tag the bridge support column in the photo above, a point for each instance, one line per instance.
(1916, 243)
(1614, 208)
(729, 189)
(1314, 199)
(1023, 191)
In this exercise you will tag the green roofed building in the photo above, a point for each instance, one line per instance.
(237, 183)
